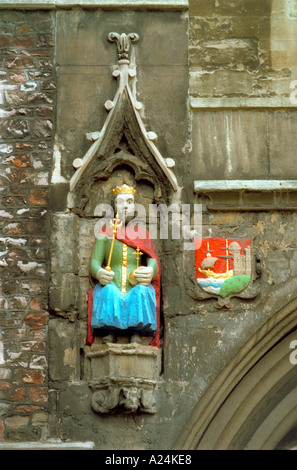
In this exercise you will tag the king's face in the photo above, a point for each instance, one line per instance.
(125, 205)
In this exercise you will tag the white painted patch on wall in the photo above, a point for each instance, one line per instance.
(26, 267)
(5, 114)
(22, 211)
(292, 9)
(6, 148)
(2, 360)
(57, 158)
(28, 86)
(32, 265)
(13, 241)
(3, 213)
(4, 87)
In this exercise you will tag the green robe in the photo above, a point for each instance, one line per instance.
(100, 257)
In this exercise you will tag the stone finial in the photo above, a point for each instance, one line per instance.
(123, 42)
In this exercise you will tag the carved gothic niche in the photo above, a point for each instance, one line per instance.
(122, 141)
(125, 374)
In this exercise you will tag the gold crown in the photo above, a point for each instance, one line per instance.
(124, 189)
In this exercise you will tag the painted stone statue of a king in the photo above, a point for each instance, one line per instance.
(125, 300)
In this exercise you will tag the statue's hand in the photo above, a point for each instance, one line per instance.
(144, 275)
(104, 276)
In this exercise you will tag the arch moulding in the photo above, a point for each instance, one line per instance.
(252, 403)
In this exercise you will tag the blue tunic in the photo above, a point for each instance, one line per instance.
(133, 312)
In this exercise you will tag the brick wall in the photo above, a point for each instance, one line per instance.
(27, 98)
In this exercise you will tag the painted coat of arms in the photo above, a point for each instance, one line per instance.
(223, 267)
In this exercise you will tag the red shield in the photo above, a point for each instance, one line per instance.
(223, 266)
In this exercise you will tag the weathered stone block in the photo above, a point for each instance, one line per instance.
(64, 243)
(63, 344)
(38, 197)
(231, 149)
(23, 41)
(75, 418)
(228, 53)
(293, 263)
(282, 128)
(24, 433)
(20, 63)
(11, 16)
(202, 7)
(4, 40)
(58, 196)
(63, 292)
(83, 288)
(40, 98)
(124, 361)
(225, 198)
(221, 83)
(258, 198)
(86, 88)
(272, 263)
(292, 8)
(36, 320)
(86, 237)
(16, 421)
(42, 128)
(250, 26)
(124, 375)
(15, 98)
(45, 40)
(205, 29)
(16, 129)
(229, 7)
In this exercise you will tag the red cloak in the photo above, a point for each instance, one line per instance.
(136, 237)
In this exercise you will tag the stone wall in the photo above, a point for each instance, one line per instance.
(81, 111)
(241, 55)
(241, 49)
(216, 85)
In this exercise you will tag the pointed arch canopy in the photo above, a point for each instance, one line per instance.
(123, 123)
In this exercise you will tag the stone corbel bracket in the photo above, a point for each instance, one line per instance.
(124, 376)
(123, 114)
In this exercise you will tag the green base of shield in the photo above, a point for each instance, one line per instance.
(234, 285)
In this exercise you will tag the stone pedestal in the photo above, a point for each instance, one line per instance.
(124, 376)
